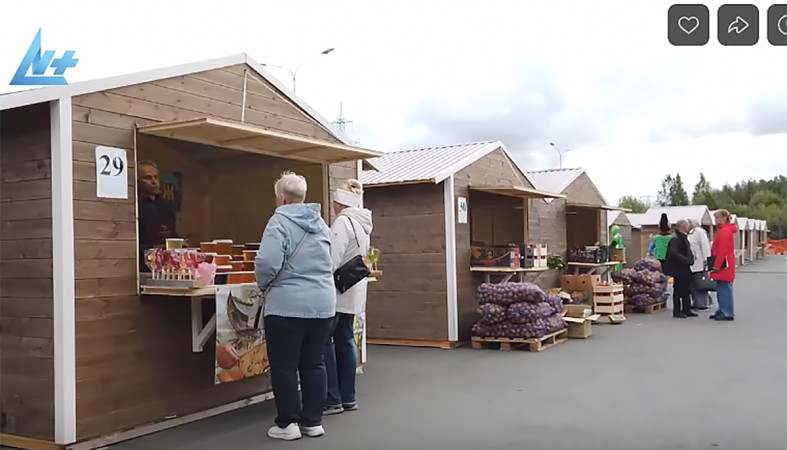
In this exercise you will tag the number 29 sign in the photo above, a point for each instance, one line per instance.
(111, 173)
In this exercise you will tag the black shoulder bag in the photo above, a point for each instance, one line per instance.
(353, 271)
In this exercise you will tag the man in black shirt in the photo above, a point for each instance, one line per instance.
(156, 216)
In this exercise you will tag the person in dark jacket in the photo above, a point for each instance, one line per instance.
(156, 216)
(677, 264)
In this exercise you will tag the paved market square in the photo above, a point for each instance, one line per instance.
(651, 383)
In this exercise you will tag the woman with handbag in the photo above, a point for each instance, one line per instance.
(700, 283)
(349, 245)
(293, 268)
(723, 269)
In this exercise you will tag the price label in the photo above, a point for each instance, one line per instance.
(111, 173)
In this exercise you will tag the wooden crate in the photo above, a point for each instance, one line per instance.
(616, 307)
(608, 290)
(533, 345)
(646, 309)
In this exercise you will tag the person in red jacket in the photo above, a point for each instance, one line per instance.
(723, 270)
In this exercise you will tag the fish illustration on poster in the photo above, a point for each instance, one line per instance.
(241, 351)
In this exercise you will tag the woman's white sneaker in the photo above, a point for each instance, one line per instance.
(291, 433)
(313, 431)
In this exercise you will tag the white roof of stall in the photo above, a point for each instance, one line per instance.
(612, 216)
(46, 94)
(636, 219)
(430, 164)
(557, 180)
(743, 223)
(700, 213)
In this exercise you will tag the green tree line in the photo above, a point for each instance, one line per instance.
(761, 199)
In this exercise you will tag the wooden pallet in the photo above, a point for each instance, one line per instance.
(646, 309)
(415, 343)
(533, 345)
(612, 319)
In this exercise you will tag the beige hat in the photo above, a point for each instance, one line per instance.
(347, 198)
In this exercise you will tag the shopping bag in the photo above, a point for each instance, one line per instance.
(703, 282)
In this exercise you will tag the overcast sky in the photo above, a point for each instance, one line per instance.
(599, 78)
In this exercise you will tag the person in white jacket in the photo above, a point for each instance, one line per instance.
(700, 246)
(350, 235)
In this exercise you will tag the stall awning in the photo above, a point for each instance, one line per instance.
(515, 191)
(256, 139)
(602, 207)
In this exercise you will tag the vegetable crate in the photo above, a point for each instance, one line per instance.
(646, 309)
(533, 345)
(608, 299)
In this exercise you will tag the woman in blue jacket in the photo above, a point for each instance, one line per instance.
(294, 265)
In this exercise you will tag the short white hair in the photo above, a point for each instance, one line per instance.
(291, 186)
(681, 222)
(694, 223)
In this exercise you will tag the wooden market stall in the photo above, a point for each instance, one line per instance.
(621, 219)
(430, 206)
(744, 236)
(86, 358)
(647, 224)
(584, 212)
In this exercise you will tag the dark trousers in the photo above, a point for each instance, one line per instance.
(341, 361)
(295, 347)
(681, 295)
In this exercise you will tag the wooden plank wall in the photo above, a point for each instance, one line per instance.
(583, 191)
(495, 169)
(582, 226)
(409, 301)
(26, 305)
(548, 226)
(134, 359)
(216, 189)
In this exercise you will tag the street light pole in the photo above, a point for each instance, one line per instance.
(294, 73)
(559, 153)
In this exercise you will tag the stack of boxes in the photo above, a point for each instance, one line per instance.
(510, 256)
(496, 256)
(534, 256)
(608, 302)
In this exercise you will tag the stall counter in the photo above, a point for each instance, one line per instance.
(601, 269)
(506, 272)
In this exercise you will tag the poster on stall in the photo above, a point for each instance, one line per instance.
(172, 188)
(240, 346)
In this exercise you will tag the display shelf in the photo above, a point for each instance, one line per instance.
(507, 272)
(602, 269)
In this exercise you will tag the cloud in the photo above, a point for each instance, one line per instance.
(764, 115)
(768, 115)
(573, 109)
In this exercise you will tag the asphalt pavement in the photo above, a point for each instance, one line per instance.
(653, 382)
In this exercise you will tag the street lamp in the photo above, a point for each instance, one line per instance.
(559, 153)
(294, 73)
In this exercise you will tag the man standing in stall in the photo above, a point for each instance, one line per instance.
(156, 215)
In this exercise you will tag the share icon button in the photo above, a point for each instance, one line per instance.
(739, 25)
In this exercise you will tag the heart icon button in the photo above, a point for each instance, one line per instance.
(688, 24)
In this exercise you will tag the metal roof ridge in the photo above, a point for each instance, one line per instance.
(436, 147)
